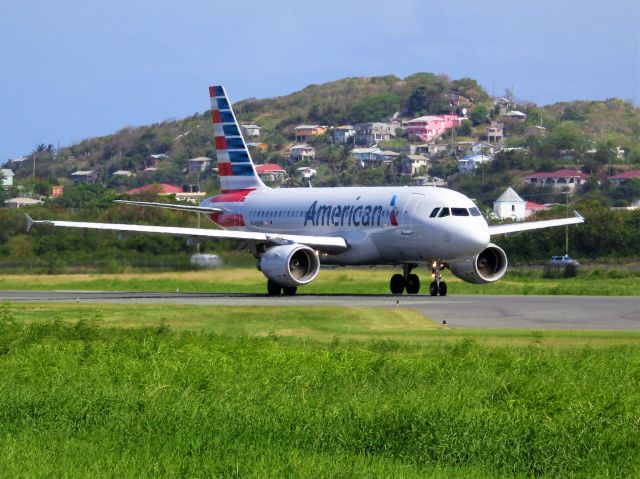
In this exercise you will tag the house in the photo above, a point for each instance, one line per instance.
(342, 134)
(414, 164)
(20, 202)
(515, 115)
(532, 208)
(304, 132)
(250, 131)
(494, 133)
(510, 205)
(84, 176)
(557, 179)
(483, 147)
(429, 127)
(151, 162)
(301, 152)
(57, 191)
(256, 145)
(162, 189)
(6, 175)
(368, 134)
(271, 172)
(620, 178)
(364, 155)
(428, 148)
(123, 173)
(429, 181)
(199, 164)
(306, 172)
(470, 163)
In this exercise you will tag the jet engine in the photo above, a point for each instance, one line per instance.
(290, 265)
(486, 267)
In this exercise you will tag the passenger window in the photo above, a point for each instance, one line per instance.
(443, 213)
(474, 211)
(434, 213)
(459, 212)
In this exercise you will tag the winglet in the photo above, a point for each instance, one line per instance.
(578, 215)
(30, 222)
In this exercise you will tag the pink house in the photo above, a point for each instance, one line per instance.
(429, 127)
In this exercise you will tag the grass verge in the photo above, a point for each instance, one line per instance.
(205, 392)
(329, 281)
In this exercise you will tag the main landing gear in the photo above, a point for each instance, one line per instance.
(274, 289)
(410, 282)
(405, 281)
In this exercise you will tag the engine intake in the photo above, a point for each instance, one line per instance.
(487, 267)
(290, 265)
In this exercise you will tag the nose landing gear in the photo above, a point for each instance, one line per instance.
(437, 286)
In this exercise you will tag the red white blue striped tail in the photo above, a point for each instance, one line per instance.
(235, 166)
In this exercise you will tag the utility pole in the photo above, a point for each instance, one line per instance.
(566, 228)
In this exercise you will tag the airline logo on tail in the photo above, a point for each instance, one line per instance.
(235, 167)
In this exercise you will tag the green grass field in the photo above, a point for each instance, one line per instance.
(598, 282)
(118, 390)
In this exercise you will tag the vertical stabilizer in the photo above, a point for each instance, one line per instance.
(235, 166)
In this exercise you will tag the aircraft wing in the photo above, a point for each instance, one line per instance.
(513, 228)
(171, 206)
(331, 244)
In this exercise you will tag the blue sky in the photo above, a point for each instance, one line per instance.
(74, 69)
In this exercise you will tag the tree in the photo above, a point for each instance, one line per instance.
(478, 114)
(465, 128)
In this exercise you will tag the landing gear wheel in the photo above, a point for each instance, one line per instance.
(273, 288)
(289, 290)
(442, 288)
(396, 285)
(413, 284)
(433, 288)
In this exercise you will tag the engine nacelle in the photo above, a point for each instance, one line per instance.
(488, 266)
(290, 265)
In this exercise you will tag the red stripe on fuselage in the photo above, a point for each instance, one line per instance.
(231, 196)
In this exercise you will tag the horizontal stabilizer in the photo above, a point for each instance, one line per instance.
(328, 244)
(171, 206)
(512, 228)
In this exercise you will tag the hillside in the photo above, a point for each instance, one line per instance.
(578, 134)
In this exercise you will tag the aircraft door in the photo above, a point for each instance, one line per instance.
(408, 213)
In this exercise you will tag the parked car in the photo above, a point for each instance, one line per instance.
(563, 261)
(206, 260)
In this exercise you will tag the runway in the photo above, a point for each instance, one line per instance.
(530, 312)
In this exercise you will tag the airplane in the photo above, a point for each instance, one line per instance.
(293, 231)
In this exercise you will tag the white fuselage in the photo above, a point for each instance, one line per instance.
(381, 225)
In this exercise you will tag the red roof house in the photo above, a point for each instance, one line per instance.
(159, 188)
(627, 175)
(557, 179)
(271, 172)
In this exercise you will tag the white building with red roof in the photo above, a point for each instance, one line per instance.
(622, 177)
(557, 179)
(271, 172)
(158, 188)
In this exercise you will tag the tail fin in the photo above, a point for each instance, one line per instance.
(235, 166)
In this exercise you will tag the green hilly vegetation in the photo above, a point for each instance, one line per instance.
(86, 392)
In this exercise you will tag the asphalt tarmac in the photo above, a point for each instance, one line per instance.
(530, 312)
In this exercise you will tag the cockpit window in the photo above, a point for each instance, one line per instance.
(459, 212)
(434, 213)
(474, 211)
(443, 213)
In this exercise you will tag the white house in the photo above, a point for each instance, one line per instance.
(250, 131)
(414, 163)
(7, 177)
(342, 134)
(301, 152)
(199, 164)
(510, 205)
(470, 163)
(306, 172)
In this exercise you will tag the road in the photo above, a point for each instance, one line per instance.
(531, 312)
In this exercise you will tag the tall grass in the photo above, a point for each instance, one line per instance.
(76, 399)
